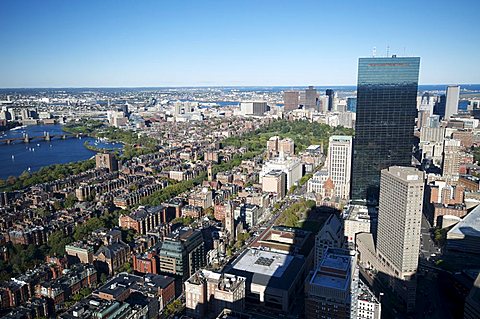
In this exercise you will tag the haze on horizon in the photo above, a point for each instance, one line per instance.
(224, 43)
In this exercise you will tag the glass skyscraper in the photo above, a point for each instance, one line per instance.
(386, 111)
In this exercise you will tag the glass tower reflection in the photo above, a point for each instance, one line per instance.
(386, 110)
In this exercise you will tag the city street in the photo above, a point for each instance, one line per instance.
(427, 245)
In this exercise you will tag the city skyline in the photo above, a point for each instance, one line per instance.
(181, 44)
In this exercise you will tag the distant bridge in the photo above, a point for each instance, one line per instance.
(45, 137)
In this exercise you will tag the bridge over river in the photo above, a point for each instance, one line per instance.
(45, 137)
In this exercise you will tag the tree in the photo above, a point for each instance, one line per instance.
(70, 201)
(57, 242)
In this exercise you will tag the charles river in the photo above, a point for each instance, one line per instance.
(19, 156)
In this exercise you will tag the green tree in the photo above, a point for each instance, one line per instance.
(70, 201)
(57, 242)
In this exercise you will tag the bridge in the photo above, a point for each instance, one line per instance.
(45, 137)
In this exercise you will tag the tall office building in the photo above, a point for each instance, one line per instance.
(440, 105)
(339, 164)
(399, 218)
(331, 96)
(311, 98)
(352, 104)
(253, 108)
(399, 227)
(291, 100)
(386, 111)
(451, 104)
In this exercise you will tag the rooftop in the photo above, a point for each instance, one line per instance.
(365, 294)
(266, 268)
(469, 225)
(359, 212)
(334, 270)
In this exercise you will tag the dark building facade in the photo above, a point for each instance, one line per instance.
(440, 106)
(331, 95)
(386, 111)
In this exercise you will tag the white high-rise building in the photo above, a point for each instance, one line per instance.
(339, 164)
(253, 108)
(451, 105)
(399, 219)
(291, 166)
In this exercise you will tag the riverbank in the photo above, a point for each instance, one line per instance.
(20, 158)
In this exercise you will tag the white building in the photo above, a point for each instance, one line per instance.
(339, 163)
(249, 214)
(253, 108)
(273, 279)
(292, 167)
(368, 306)
(357, 219)
(316, 182)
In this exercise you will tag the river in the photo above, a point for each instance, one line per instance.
(19, 156)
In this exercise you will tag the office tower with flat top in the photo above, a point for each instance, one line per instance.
(386, 111)
(451, 103)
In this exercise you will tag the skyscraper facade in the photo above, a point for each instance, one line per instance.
(451, 105)
(339, 164)
(386, 111)
(399, 228)
(291, 100)
(311, 98)
(399, 218)
(331, 95)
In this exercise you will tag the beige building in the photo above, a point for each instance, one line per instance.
(451, 160)
(398, 234)
(208, 293)
(286, 147)
(399, 218)
(272, 144)
(83, 252)
(275, 182)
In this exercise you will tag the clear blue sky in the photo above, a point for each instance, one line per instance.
(69, 43)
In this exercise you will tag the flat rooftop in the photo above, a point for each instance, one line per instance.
(327, 281)
(334, 270)
(266, 268)
(264, 262)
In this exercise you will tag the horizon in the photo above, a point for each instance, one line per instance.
(219, 86)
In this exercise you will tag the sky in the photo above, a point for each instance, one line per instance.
(108, 43)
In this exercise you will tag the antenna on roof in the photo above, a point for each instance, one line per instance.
(388, 50)
(374, 52)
